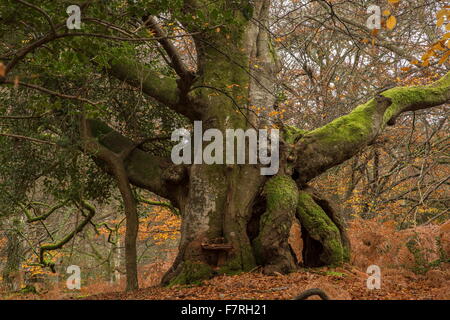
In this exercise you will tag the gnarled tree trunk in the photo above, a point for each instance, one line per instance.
(233, 217)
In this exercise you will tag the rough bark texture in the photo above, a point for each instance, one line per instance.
(342, 138)
(271, 245)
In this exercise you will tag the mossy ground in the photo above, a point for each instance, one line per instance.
(192, 273)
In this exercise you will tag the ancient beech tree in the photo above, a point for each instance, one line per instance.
(234, 218)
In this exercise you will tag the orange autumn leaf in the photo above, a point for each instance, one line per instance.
(391, 22)
(2, 69)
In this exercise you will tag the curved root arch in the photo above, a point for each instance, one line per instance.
(323, 233)
(325, 239)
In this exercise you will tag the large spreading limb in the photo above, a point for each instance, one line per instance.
(113, 150)
(153, 173)
(342, 138)
(162, 88)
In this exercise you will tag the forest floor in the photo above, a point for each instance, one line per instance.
(345, 283)
(411, 264)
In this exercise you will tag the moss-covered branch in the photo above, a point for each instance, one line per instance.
(43, 216)
(325, 147)
(166, 90)
(416, 98)
(59, 244)
(143, 169)
(158, 86)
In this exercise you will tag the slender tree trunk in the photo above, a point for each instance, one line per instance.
(12, 274)
(115, 163)
(115, 260)
(132, 225)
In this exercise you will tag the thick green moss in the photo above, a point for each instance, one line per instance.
(292, 134)
(281, 199)
(351, 129)
(433, 94)
(192, 273)
(281, 193)
(321, 228)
